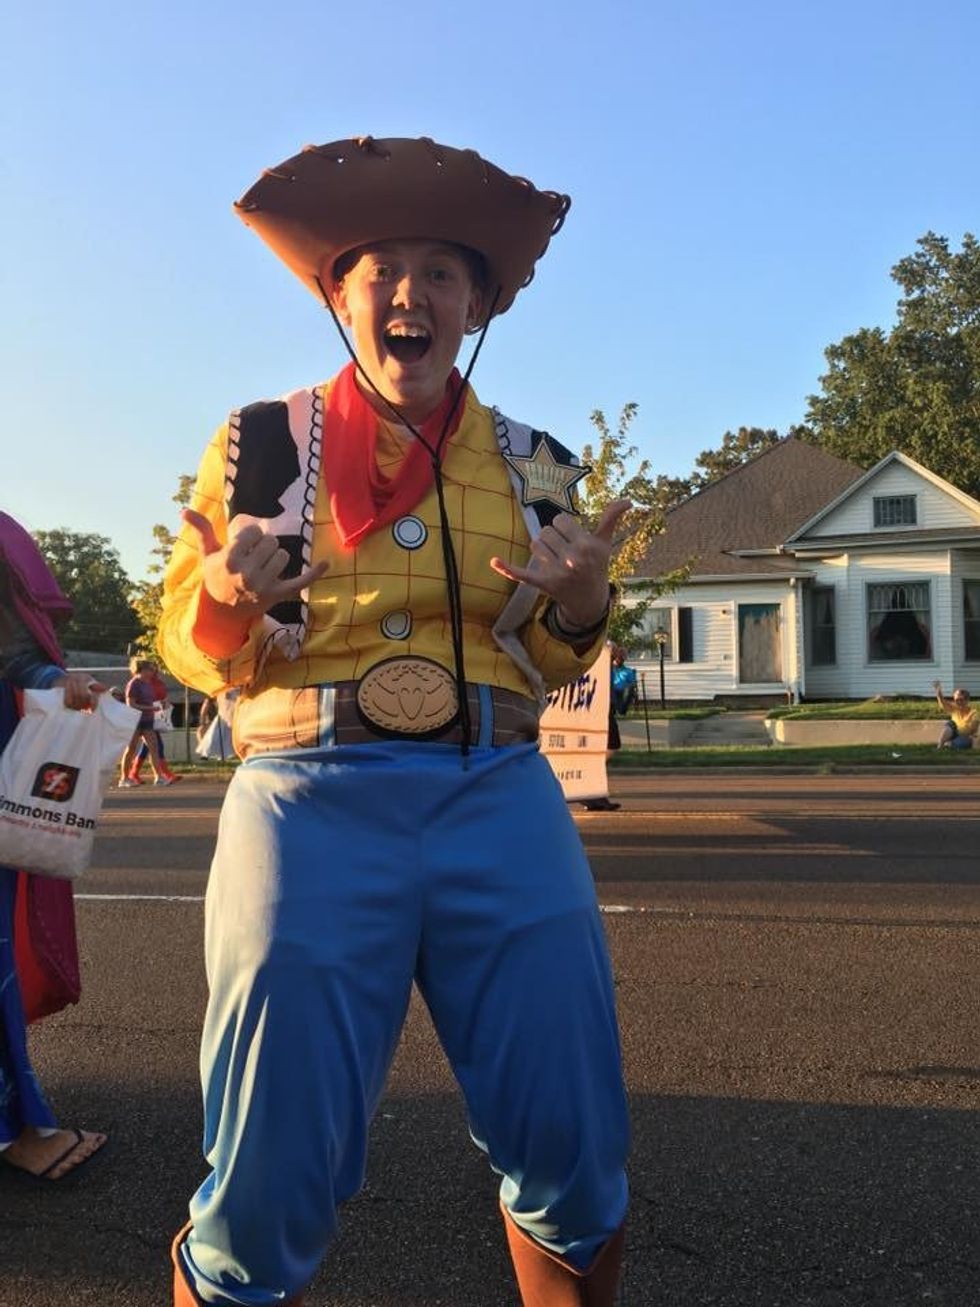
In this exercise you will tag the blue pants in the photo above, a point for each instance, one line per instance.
(143, 752)
(958, 741)
(22, 1101)
(338, 879)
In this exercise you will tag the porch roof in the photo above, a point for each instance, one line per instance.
(953, 535)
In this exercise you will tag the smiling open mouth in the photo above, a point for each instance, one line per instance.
(407, 345)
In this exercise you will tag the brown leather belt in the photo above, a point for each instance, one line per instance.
(327, 716)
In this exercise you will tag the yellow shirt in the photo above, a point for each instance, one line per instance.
(387, 597)
(966, 723)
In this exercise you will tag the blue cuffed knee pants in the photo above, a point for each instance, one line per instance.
(339, 878)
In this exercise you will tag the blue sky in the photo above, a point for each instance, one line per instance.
(743, 178)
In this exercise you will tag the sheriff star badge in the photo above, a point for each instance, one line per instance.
(544, 478)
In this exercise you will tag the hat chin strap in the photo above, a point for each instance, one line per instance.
(393, 408)
(448, 552)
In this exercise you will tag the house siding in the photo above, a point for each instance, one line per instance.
(845, 551)
(936, 509)
(714, 620)
(855, 676)
(963, 567)
(826, 681)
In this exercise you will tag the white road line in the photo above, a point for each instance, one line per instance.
(139, 898)
(199, 898)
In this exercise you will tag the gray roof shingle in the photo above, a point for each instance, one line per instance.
(757, 506)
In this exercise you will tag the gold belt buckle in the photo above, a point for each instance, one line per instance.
(412, 697)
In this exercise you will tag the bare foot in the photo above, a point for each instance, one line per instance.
(49, 1157)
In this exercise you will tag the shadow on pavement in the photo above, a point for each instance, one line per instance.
(735, 1203)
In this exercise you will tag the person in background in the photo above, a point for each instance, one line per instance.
(206, 715)
(962, 723)
(396, 574)
(139, 694)
(214, 734)
(623, 690)
(38, 947)
(160, 700)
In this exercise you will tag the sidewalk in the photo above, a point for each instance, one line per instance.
(747, 730)
(725, 728)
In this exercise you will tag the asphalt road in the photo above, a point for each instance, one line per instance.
(797, 963)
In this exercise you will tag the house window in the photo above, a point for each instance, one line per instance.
(894, 510)
(899, 621)
(823, 626)
(971, 620)
(660, 623)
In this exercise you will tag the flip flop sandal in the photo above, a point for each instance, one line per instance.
(79, 1141)
(62, 1157)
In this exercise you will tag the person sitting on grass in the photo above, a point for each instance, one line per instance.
(960, 729)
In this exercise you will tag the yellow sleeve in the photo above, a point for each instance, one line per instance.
(557, 662)
(183, 583)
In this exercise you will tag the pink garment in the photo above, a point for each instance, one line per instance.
(36, 594)
(159, 687)
(45, 943)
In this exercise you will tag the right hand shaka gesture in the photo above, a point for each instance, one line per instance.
(246, 574)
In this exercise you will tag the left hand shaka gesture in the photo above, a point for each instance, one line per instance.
(570, 564)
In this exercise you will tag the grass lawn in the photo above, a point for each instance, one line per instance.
(870, 709)
(824, 758)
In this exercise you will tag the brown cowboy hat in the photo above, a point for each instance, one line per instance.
(329, 199)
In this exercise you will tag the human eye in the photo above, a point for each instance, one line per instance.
(381, 272)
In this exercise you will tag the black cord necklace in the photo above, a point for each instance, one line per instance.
(450, 565)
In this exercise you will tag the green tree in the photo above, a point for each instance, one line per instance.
(915, 388)
(737, 447)
(616, 475)
(148, 595)
(89, 571)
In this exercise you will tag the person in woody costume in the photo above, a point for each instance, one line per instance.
(394, 575)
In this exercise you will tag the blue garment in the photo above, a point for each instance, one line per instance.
(21, 1101)
(340, 877)
(958, 741)
(624, 692)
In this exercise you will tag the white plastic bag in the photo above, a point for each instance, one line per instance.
(53, 777)
(163, 716)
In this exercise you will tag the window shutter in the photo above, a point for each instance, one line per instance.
(685, 635)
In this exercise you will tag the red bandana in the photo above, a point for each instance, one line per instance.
(362, 498)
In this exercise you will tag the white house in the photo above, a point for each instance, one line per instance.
(811, 577)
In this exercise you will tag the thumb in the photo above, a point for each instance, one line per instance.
(610, 518)
(207, 540)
